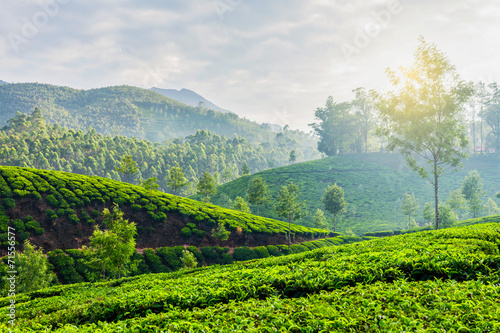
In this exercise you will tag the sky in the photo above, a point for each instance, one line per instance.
(269, 61)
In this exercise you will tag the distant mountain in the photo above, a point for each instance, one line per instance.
(188, 97)
(3, 82)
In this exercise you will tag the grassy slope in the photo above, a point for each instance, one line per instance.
(373, 184)
(160, 216)
(444, 280)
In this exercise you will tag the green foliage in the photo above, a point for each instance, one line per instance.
(319, 220)
(171, 257)
(220, 233)
(288, 205)
(188, 260)
(421, 115)
(91, 191)
(353, 282)
(258, 193)
(334, 202)
(186, 232)
(109, 251)
(64, 266)
(261, 251)
(32, 269)
(245, 170)
(128, 167)
(409, 207)
(240, 204)
(9, 203)
(150, 184)
(153, 261)
(472, 189)
(244, 253)
(176, 179)
(206, 186)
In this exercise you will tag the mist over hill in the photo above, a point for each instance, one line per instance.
(188, 97)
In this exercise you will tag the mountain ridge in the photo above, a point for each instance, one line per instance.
(189, 97)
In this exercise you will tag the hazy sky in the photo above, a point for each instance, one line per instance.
(271, 61)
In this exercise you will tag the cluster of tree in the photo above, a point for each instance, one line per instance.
(288, 204)
(28, 141)
(358, 126)
(422, 117)
(464, 202)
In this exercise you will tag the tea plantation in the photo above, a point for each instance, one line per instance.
(58, 210)
(373, 183)
(432, 281)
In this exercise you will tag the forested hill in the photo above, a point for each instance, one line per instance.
(29, 142)
(3, 82)
(124, 110)
(59, 210)
(374, 185)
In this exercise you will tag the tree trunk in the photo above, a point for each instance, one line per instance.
(436, 191)
(289, 231)
(334, 222)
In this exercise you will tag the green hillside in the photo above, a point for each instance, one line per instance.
(373, 183)
(125, 110)
(435, 281)
(58, 210)
(29, 142)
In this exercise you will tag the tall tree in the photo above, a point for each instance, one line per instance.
(289, 206)
(421, 115)
(409, 206)
(206, 186)
(245, 170)
(110, 250)
(428, 213)
(456, 201)
(472, 189)
(319, 220)
(335, 127)
(334, 202)
(364, 105)
(240, 205)
(176, 179)
(32, 268)
(257, 193)
(492, 115)
(128, 167)
(292, 157)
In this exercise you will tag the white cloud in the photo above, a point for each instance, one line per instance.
(259, 57)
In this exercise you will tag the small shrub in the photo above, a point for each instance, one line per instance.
(18, 225)
(199, 233)
(261, 252)
(9, 203)
(51, 214)
(191, 225)
(274, 251)
(52, 201)
(244, 253)
(186, 232)
(153, 261)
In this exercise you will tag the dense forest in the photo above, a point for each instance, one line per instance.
(131, 112)
(28, 141)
